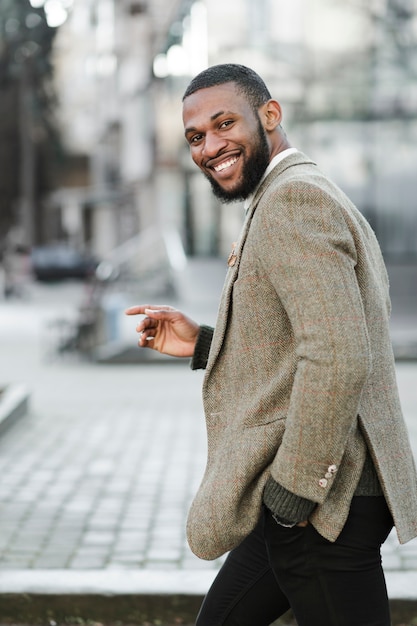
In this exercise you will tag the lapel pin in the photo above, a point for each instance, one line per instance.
(232, 256)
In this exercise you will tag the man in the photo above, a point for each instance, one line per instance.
(309, 462)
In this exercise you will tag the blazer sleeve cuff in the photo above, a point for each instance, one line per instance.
(202, 348)
(285, 505)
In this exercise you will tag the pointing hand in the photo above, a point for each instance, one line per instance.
(165, 329)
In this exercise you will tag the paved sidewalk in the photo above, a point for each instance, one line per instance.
(97, 478)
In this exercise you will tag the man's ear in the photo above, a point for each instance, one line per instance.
(271, 115)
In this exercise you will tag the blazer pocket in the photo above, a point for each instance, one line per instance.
(259, 418)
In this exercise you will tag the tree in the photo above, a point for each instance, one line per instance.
(27, 132)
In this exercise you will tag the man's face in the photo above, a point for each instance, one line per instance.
(227, 140)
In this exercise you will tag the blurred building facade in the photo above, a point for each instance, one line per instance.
(103, 59)
(345, 74)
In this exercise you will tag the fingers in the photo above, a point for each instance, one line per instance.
(137, 310)
(165, 329)
(149, 309)
(146, 339)
(160, 311)
(146, 324)
(146, 328)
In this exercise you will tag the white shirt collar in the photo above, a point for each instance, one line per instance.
(272, 164)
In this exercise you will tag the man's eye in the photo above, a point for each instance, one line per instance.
(195, 138)
(226, 123)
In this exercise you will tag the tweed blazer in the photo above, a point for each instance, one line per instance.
(300, 378)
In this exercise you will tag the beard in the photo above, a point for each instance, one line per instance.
(253, 170)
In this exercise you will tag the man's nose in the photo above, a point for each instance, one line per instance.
(213, 144)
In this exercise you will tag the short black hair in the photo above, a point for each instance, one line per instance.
(247, 81)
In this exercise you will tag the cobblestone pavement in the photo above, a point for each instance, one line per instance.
(101, 471)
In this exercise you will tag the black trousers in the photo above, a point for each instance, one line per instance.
(324, 583)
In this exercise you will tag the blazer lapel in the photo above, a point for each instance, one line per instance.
(231, 276)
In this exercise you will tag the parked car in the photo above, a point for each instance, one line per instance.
(60, 261)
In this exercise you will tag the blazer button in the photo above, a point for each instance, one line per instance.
(328, 475)
(332, 469)
(323, 482)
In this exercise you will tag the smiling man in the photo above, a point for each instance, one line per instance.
(309, 463)
(231, 146)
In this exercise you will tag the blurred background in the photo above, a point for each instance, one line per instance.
(91, 138)
(92, 153)
(101, 208)
(95, 178)
(96, 183)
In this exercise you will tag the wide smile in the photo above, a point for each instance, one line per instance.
(224, 165)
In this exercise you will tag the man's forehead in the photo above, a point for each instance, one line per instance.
(214, 101)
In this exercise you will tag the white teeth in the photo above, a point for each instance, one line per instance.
(222, 166)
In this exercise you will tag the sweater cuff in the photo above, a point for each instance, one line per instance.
(202, 348)
(285, 505)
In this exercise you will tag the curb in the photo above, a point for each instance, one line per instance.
(14, 402)
(56, 582)
(136, 597)
(122, 596)
(44, 609)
